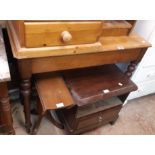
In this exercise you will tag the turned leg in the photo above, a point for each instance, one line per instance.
(131, 68)
(25, 72)
(26, 96)
(6, 109)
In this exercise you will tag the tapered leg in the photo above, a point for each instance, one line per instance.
(26, 99)
(6, 109)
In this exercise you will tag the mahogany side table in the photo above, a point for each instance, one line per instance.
(48, 46)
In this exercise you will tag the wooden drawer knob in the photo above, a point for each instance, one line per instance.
(66, 36)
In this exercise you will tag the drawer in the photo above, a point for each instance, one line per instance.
(88, 120)
(82, 124)
(99, 118)
(116, 28)
(39, 34)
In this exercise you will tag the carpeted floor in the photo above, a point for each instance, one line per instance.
(136, 118)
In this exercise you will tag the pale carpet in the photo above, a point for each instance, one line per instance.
(137, 117)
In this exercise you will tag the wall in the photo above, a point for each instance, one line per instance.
(144, 75)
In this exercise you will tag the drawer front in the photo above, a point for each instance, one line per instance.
(40, 34)
(99, 118)
(88, 120)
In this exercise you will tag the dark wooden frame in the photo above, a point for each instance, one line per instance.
(5, 110)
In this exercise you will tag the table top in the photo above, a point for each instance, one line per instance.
(4, 67)
(105, 44)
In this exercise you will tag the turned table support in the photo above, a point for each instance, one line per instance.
(6, 109)
(6, 121)
(25, 90)
(131, 68)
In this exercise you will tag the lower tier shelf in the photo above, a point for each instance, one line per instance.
(81, 119)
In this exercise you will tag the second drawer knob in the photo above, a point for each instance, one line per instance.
(66, 36)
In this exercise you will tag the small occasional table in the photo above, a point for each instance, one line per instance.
(94, 43)
(6, 122)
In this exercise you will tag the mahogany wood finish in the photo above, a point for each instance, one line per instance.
(52, 90)
(25, 90)
(5, 110)
(88, 85)
(109, 43)
(131, 68)
(96, 93)
(26, 99)
(74, 125)
(53, 94)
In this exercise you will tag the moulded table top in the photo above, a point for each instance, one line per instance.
(4, 67)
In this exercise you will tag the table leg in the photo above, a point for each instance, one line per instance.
(131, 68)
(6, 110)
(26, 99)
(24, 67)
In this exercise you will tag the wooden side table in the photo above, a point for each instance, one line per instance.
(41, 46)
(6, 124)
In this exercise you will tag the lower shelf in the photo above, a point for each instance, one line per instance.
(81, 119)
(89, 97)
